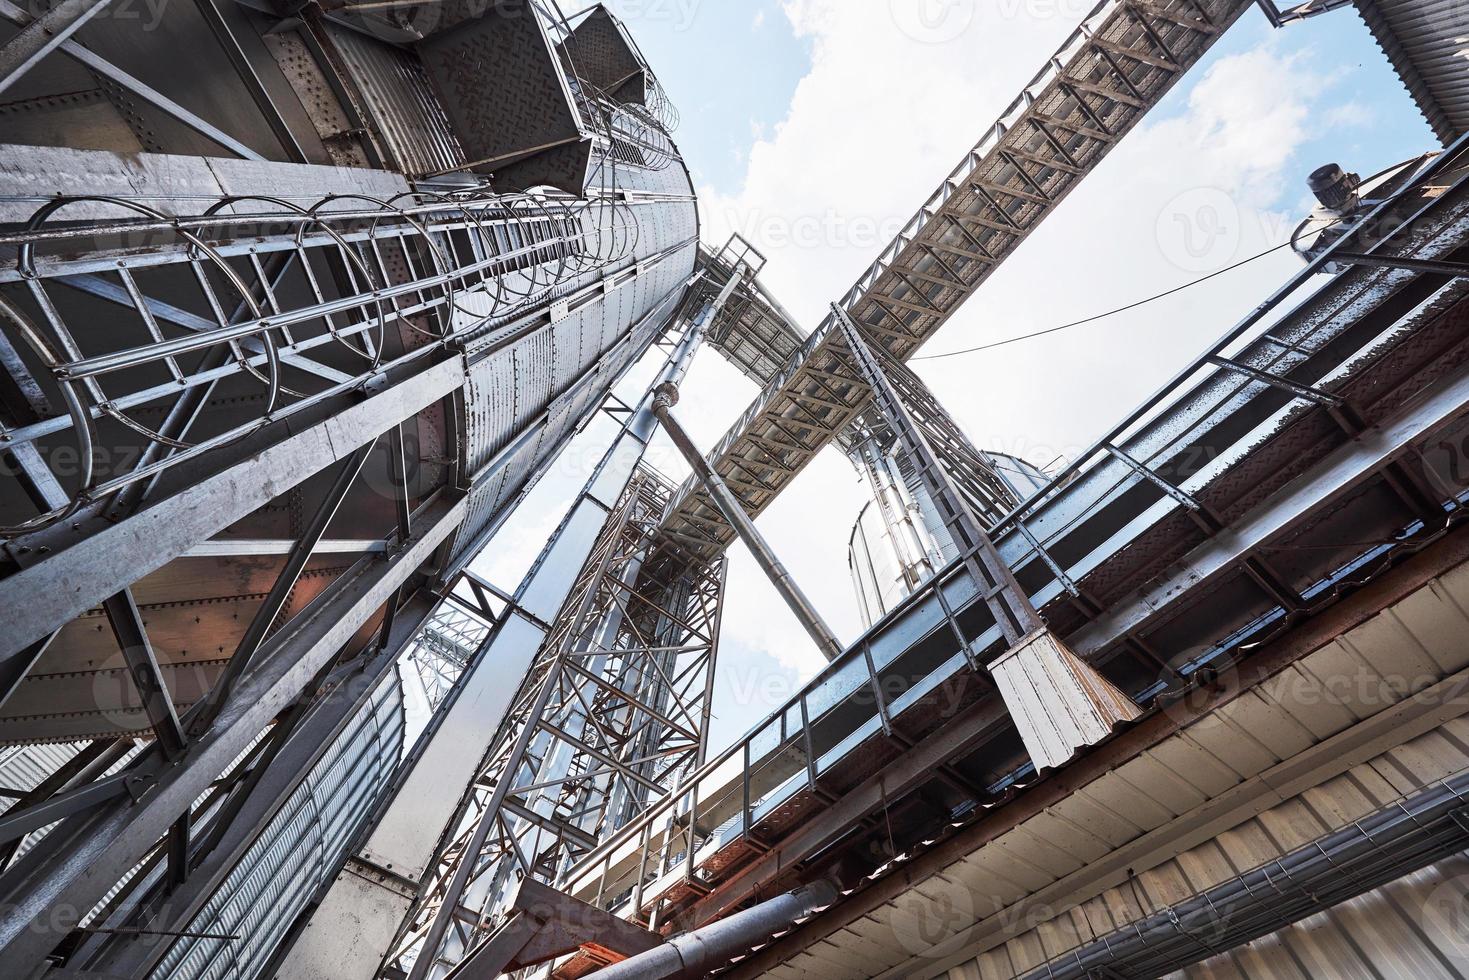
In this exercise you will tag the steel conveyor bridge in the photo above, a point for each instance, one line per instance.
(1119, 63)
(1313, 449)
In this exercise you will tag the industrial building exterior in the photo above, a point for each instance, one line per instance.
(299, 302)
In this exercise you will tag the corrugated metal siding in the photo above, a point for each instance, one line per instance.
(1288, 826)
(1427, 41)
(1013, 901)
(1414, 928)
(1058, 701)
(23, 767)
(299, 849)
(401, 101)
(510, 387)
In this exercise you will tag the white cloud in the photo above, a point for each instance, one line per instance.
(873, 127)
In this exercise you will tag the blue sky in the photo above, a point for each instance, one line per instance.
(825, 116)
(730, 67)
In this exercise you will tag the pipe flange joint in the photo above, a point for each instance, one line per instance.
(665, 395)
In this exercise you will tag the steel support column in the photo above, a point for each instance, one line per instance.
(1007, 601)
(83, 858)
(729, 505)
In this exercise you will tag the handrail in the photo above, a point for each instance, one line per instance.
(647, 819)
(1317, 266)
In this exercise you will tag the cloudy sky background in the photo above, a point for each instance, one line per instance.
(816, 128)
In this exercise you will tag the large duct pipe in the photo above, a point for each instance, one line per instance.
(695, 953)
(734, 512)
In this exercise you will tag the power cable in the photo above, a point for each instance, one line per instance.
(1110, 313)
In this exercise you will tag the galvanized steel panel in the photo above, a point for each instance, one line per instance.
(402, 103)
(298, 850)
(1410, 928)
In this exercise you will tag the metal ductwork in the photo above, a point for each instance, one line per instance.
(697, 953)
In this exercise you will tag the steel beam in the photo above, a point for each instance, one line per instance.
(301, 749)
(132, 637)
(14, 825)
(734, 512)
(285, 584)
(1347, 467)
(42, 36)
(17, 15)
(86, 856)
(543, 924)
(1007, 601)
(68, 583)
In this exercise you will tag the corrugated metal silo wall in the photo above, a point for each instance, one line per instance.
(298, 850)
(509, 389)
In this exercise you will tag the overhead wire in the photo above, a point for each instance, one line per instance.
(1110, 313)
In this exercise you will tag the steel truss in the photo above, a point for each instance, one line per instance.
(1315, 443)
(955, 476)
(330, 329)
(612, 715)
(458, 627)
(1120, 63)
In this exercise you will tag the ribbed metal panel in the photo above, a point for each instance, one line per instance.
(1427, 42)
(535, 374)
(1039, 890)
(300, 847)
(402, 103)
(23, 767)
(1411, 928)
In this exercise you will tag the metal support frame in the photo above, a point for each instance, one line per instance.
(1105, 78)
(270, 610)
(729, 505)
(611, 713)
(42, 36)
(1134, 456)
(637, 704)
(294, 745)
(1007, 601)
(17, 15)
(1299, 12)
(541, 924)
(82, 858)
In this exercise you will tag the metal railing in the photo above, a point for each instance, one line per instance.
(302, 302)
(715, 808)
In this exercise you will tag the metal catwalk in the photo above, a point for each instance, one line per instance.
(292, 320)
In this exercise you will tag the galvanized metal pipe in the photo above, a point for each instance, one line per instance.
(697, 953)
(734, 512)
